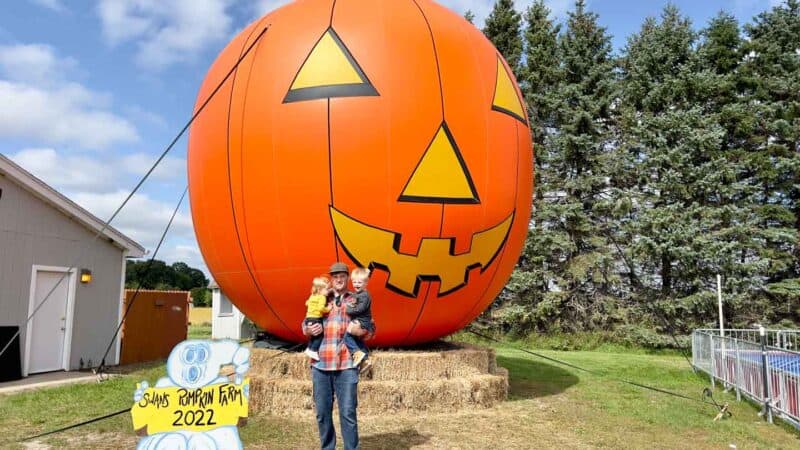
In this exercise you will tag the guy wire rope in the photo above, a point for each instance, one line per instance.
(601, 375)
(122, 411)
(637, 283)
(102, 366)
(138, 185)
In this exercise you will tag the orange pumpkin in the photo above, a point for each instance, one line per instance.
(386, 133)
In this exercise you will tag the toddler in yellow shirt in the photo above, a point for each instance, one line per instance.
(317, 307)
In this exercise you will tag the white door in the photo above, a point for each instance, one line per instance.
(48, 327)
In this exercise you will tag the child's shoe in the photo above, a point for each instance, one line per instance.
(365, 366)
(312, 354)
(358, 356)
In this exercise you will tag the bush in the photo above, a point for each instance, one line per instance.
(201, 297)
(641, 336)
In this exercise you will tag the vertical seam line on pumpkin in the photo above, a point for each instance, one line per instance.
(441, 223)
(500, 255)
(419, 315)
(241, 147)
(228, 149)
(441, 89)
(230, 192)
(505, 242)
(435, 56)
(330, 177)
(330, 149)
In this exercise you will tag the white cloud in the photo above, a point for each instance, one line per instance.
(143, 219)
(262, 7)
(73, 172)
(40, 104)
(55, 5)
(93, 173)
(165, 32)
(170, 168)
(33, 63)
(140, 114)
(67, 114)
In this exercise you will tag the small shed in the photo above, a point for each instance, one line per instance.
(157, 322)
(51, 263)
(227, 322)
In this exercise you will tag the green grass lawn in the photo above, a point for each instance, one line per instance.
(199, 331)
(550, 406)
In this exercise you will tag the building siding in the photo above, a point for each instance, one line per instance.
(34, 233)
(224, 326)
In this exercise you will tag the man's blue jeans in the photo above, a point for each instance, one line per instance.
(344, 385)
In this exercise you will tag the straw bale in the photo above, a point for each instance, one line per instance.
(438, 361)
(282, 397)
(279, 397)
(276, 364)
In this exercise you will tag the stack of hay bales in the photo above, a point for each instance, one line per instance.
(441, 377)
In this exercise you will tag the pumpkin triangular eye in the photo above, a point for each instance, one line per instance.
(506, 99)
(441, 176)
(329, 71)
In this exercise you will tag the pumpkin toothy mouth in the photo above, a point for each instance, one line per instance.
(435, 260)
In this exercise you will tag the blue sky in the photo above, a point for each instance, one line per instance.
(91, 92)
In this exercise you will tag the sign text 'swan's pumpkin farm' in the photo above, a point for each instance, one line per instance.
(200, 403)
(203, 409)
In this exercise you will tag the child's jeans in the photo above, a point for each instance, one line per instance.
(353, 343)
(314, 342)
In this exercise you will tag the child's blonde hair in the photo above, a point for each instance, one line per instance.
(318, 284)
(359, 273)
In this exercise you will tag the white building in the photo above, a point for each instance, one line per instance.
(50, 260)
(227, 322)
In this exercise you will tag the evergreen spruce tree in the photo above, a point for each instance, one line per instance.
(674, 227)
(469, 16)
(771, 71)
(737, 250)
(568, 256)
(580, 152)
(541, 72)
(503, 29)
(541, 75)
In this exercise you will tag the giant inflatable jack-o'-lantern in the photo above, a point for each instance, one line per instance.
(388, 134)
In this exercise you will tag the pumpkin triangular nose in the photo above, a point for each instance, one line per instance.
(441, 175)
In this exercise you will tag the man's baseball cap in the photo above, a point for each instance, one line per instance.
(338, 267)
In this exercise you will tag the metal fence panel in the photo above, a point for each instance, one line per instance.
(736, 360)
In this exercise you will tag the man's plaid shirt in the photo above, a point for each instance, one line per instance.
(333, 354)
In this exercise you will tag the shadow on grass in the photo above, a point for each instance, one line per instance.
(534, 379)
(399, 440)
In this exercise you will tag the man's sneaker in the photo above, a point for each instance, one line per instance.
(312, 354)
(358, 356)
(365, 366)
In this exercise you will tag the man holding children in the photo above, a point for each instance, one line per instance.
(337, 351)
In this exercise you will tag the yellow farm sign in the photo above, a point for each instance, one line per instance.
(202, 409)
